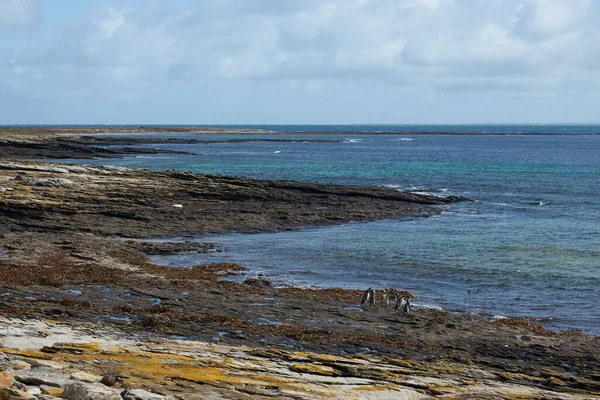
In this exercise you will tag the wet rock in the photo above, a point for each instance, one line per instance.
(43, 376)
(258, 282)
(90, 391)
(138, 394)
(6, 380)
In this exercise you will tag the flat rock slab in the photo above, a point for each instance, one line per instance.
(85, 377)
(138, 394)
(90, 391)
(43, 376)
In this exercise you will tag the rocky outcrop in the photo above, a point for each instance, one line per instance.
(182, 369)
(140, 203)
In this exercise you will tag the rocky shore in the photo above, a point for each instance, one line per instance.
(85, 314)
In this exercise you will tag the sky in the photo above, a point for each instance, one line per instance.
(299, 61)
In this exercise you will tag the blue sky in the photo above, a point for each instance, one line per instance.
(299, 61)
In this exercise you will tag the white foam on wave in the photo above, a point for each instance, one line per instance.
(351, 140)
(429, 306)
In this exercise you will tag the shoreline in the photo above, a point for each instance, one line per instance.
(74, 131)
(67, 262)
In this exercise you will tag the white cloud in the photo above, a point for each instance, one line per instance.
(16, 13)
(546, 19)
(354, 47)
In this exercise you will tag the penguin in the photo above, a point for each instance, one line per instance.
(386, 299)
(407, 306)
(372, 297)
(366, 297)
(399, 303)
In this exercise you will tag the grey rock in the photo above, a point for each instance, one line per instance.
(85, 377)
(90, 391)
(47, 363)
(138, 394)
(43, 376)
(33, 390)
(20, 386)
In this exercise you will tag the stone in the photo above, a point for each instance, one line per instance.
(52, 391)
(258, 282)
(90, 391)
(6, 380)
(43, 376)
(554, 382)
(14, 394)
(19, 364)
(47, 363)
(109, 380)
(32, 390)
(85, 377)
(20, 386)
(138, 394)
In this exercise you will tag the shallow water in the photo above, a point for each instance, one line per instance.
(528, 246)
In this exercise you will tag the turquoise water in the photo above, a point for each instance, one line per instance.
(528, 246)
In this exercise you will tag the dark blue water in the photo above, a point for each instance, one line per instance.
(527, 129)
(529, 245)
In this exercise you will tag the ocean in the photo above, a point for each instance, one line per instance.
(529, 245)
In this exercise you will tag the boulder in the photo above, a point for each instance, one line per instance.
(90, 391)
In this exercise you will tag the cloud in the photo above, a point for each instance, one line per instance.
(546, 19)
(354, 48)
(17, 13)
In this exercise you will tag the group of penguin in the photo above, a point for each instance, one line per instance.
(401, 303)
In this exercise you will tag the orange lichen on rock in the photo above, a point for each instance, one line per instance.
(315, 369)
